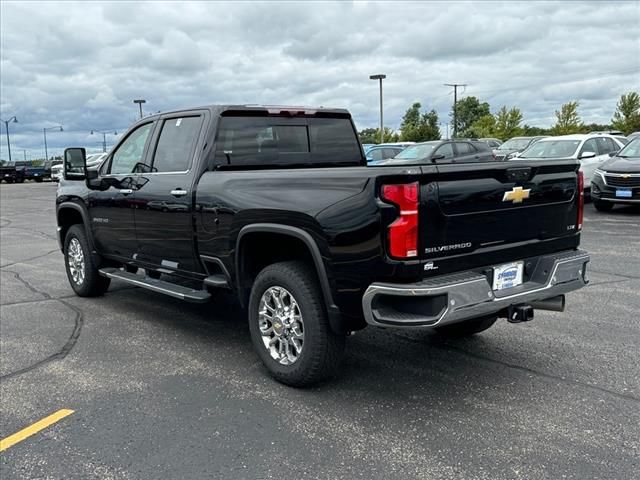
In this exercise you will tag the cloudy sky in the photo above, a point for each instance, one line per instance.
(81, 64)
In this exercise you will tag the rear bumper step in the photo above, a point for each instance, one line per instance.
(171, 289)
(462, 296)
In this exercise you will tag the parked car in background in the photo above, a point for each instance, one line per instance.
(592, 150)
(56, 172)
(96, 159)
(633, 135)
(492, 142)
(617, 180)
(382, 152)
(607, 132)
(446, 151)
(30, 171)
(513, 146)
(11, 173)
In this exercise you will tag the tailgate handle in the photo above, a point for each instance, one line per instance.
(521, 174)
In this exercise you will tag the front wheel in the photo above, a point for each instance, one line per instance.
(81, 266)
(289, 325)
(468, 327)
(603, 206)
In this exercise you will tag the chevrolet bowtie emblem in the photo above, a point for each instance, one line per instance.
(516, 195)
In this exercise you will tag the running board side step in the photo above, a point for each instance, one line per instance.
(171, 289)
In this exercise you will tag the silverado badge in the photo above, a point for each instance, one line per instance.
(516, 195)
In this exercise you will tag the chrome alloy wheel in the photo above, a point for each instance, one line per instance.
(75, 259)
(281, 326)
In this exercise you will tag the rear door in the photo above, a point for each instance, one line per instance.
(484, 207)
(164, 199)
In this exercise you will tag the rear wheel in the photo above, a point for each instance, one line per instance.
(468, 327)
(81, 265)
(289, 325)
(603, 206)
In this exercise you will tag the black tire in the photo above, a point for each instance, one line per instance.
(322, 349)
(9, 180)
(92, 284)
(467, 328)
(603, 206)
(38, 180)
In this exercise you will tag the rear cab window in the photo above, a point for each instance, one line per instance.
(176, 143)
(245, 141)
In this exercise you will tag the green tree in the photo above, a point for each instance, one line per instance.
(508, 123)
(369, 135)
(531, 131)
(466, 112)
(419, 127)
(627, 115)
(372, 135)
(484, 127)
(568, 120)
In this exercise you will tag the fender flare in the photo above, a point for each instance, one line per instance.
(332, 310)
(85, 221)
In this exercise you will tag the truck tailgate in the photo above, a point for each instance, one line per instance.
(478, 208)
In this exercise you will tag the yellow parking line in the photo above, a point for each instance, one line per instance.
(33, 429)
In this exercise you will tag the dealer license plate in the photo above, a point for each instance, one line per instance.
(623, 193)
(508, 275)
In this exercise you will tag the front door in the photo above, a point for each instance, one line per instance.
(112, 206)
(165, 197)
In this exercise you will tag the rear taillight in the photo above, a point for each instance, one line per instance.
(403, 232)
(580, 199)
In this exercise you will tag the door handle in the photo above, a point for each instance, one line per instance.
(126, 191)
(178, 192)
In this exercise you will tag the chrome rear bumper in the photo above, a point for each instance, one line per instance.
(462, 296)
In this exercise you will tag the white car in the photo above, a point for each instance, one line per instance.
(56, 172)
(591, 149)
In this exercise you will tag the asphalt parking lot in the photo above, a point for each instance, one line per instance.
(163, 389)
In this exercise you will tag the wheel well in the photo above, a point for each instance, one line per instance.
(66, 218)
(260, 249)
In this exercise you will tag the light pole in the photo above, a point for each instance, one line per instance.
(140, 101)
(57, 128)
(6, 126)
(104, 137)
(380, 77)
(447, 125)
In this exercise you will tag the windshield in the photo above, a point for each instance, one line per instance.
(552, 149)
(515, 144)
(631, 150)
(415, 152)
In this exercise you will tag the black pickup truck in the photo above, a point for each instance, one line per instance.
(277, 205)
(11, 173)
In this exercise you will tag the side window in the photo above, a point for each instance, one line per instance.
(464, 148)
(446, 150)
(376, 154)
(590, 146)
(607, 145)
(129, 153)
(390, 152)
(175, 145)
